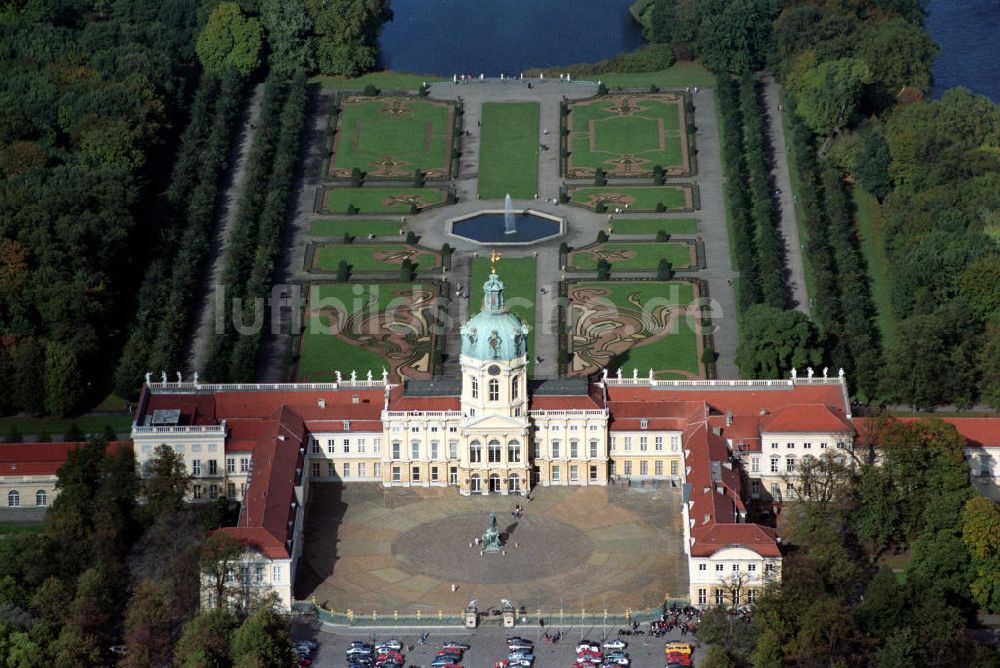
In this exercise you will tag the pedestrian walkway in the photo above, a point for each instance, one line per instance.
(785, 199)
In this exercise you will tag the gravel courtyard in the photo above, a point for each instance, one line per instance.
(594, 548)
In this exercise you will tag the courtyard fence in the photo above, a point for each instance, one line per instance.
(551, 618)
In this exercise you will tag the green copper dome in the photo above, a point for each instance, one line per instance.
(494, 333)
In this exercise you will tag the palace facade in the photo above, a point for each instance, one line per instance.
(730, 446)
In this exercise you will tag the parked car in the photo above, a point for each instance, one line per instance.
(311, 644)
(451, 644)
(615, 644)
(678, 648)
(588, 645)
(390, 644)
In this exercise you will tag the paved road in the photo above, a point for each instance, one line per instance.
(488, 644)
(785, 203)
(230, 206)
(712, 220)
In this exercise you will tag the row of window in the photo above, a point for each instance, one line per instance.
(331, 470)
(199, 492)
(397, 474)
(722, 597)
(775, 464)
(721, 568)
(257, 577)
(628, 468)
(493, 388)
(627, 441)
(790, 445)
(211, 465)
(358, 445)
(14, 498)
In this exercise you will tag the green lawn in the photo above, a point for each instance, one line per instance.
(88, 424)
(869, 214)
(371, 257)
(14, 528)
(508, 150)
(654, 225)
(381, 80)
(601, 136)
(678, 350)
(381, 200)
(323, 352)
(518, 275)
(633, 256)
(411, 133)
(680, 75)
(639, 198)
(354, 227)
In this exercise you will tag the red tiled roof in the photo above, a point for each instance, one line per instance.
(740, 401)
(711, 538)
(804, 418)
(277, 471)
(41, 459)
(977, 431)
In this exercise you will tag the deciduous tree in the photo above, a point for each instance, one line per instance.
(773, 341)
(229, 40)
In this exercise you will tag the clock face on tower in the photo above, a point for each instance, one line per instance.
(494, 370)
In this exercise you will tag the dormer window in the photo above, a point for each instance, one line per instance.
(643, 423)
(347, 425)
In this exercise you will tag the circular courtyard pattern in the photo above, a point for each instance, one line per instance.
(537, 547)
(401, 550)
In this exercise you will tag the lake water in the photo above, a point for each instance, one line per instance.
(446, 37)
(968, 32)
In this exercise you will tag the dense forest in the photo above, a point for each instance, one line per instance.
(115, 134)
(884, 565)
(110, 581)
(856, 75)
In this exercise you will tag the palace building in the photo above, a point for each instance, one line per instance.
(729, 446)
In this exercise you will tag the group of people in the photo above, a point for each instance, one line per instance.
(685, 619)
(517, 512)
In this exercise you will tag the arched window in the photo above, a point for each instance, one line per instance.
(513, 451)
(514, 483)
(515, 387)
(475, 452)
(475, 386)
(13, 499)
(494, 482)
(494, 389)
(41, 498)
(494, 451)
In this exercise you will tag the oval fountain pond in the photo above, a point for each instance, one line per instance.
(491, 227)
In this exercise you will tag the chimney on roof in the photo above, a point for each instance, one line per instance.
(355, 398)
(763, 411)
(729, 418)
(321, 403)
(281, 437)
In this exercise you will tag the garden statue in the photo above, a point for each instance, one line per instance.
(840, 374)
(619, 373)
(354, 375)
(491, 541)
(338, 376)
(795, 373)
(604, 374)
(809, 372)
(369, 375)
(825, 370)
(385, 376)
(148, 374)
(650, 374)
(635, 373)
(163, 377)
(195, 377)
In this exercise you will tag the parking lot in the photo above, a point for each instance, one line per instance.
(488, 644)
